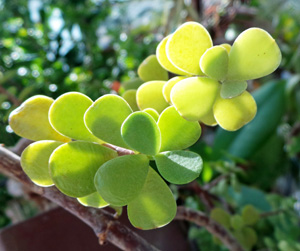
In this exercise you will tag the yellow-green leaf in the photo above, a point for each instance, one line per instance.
(150, 69)
(186, 46)
(30, 120)
(254, 54)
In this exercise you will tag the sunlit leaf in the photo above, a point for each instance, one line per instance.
(66, 116)
(150, 69)
(120, 180)
(141, 133)
(186, 46)
(209, 119)
(254, 54)
(93, 200)
(194, 97)
(130, 97)
(35, 161)
(232, 114)
(105, 118)
(74, 165)
(231, 89)
(152, 112)
(214, 62)
(30, 120)
(226, 46)
(179, 167)
(155, 206)
(168, 87)
(163, 59)
(176, 132)
(149, 95)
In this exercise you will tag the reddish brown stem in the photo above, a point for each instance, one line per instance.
(211, 226)
(103, 223)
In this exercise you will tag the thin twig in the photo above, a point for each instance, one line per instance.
(102, 222)
(215, 182)
(12, 98)
(211, 226)
(272, 213)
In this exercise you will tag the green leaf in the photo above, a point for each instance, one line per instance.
(194, 97)
(163, 59)
(250, 215)
(231, 89)
(149, 95)
(130, 97)
(74, 165)
(141, 133)
(221, 216)
(30, 120)
(35, 160)
(209, 119)
(150, 69)
(236, 222)
(214, 62)
(186, 46)
(226, 46)
(105, 118)
(168, 87)
(270, 97)
(93, 200)
(66, 116)
(179, 167)
(254, 54)
(120, 180)
(152, 112)
(131, 84)
(155, 206)
(232, 114)
(176, 132)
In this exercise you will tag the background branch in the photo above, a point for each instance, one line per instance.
(211, 226)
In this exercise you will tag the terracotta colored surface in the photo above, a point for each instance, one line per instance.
(57, 230)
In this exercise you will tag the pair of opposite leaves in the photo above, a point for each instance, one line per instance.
(188, 51)
(73, 165)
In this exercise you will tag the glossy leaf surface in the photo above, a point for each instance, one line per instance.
(194, 97)
(66, 116)
(254, 54)
(232, 114)
(214, 63)
(35, 161)
(141, 133)
(93, 200)
(186, 46)
(150, 69)
(30, 120)
(155, 206)
(150, 95)
(120, 180)
(176, 132)
(105, 118)
(179, 167)
(74, 165)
